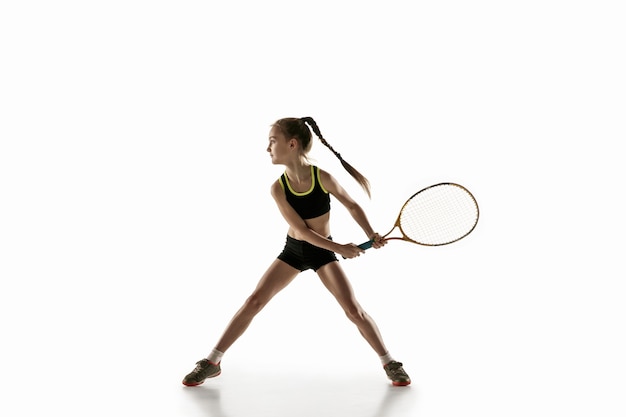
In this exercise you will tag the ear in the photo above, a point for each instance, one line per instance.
(293, 143)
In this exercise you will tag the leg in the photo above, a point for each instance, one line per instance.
(334, 278)
(277, 277)
(337, 283)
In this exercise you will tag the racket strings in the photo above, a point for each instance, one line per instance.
(439, 215)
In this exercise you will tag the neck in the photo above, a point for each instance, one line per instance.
(298, 171)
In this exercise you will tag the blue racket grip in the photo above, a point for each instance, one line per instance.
(366, 245)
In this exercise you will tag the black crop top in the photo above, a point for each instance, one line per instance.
(311, 203)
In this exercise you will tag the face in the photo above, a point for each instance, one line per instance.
(279, 148)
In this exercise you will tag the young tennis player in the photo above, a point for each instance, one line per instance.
(302, 194)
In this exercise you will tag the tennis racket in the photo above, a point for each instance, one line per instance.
(437, 215)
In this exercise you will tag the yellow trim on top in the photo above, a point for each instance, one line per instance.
(319, 181)
(306, 192)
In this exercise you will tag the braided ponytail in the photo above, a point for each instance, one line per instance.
(351, 170)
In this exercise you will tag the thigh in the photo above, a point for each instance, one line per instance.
(277, 277)
(335, 280)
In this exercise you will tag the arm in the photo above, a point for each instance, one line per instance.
(300, 227)
(355, 210)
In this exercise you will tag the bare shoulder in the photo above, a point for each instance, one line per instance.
(276, 189)
(332, 186)
(328, 181)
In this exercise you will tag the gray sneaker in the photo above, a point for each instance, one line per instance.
(204, 369)
(396, 374)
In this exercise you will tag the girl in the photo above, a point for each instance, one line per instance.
(302, 196)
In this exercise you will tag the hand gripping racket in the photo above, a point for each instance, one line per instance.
(437, 215)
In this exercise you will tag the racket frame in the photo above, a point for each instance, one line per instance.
(397, 224)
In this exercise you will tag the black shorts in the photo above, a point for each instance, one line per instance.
(302, 255)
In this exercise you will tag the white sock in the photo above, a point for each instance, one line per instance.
(215, 356)
(386, 358)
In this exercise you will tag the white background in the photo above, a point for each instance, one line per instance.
(135, 214)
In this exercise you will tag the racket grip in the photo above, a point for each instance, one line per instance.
(366, 245)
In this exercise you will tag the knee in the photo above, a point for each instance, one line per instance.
(355, 313)
(255, 303)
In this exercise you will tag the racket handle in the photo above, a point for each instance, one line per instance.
(366, 245)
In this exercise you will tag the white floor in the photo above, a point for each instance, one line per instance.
(123, 370)
(303, 394)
